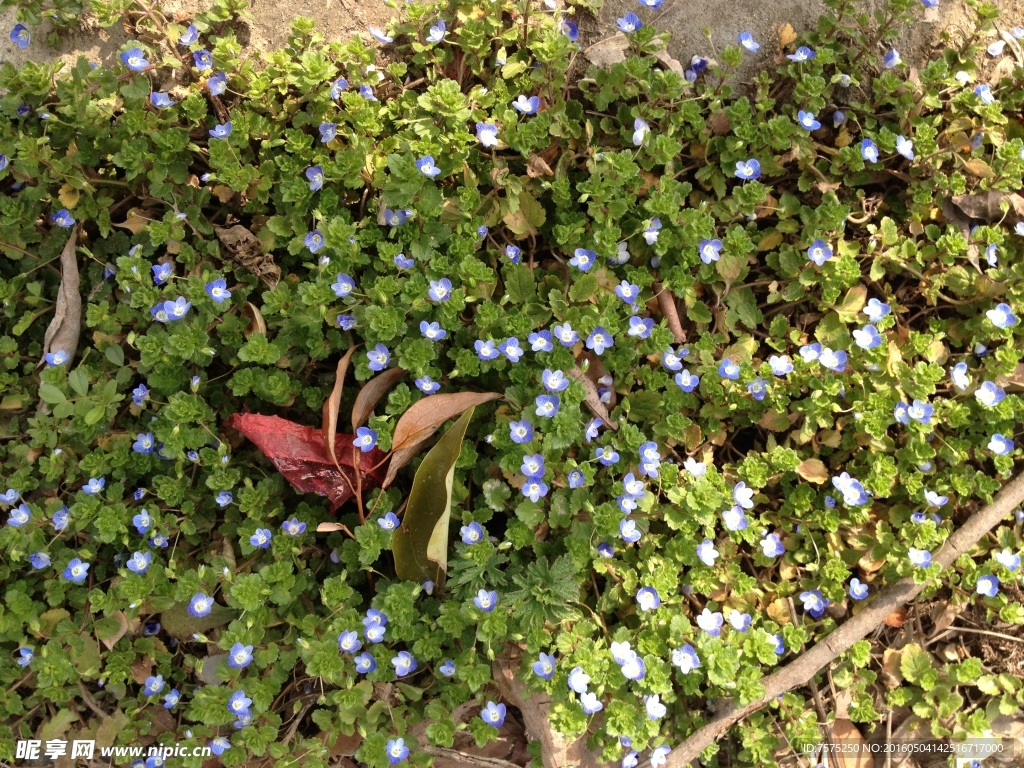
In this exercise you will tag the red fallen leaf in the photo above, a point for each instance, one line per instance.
(300, 454)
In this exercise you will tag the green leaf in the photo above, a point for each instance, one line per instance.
(182, 624)
(114, 354)
(420, 544)
(79, 382)
(50, 394)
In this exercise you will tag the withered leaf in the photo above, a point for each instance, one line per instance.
(245, 249)
(63, 331)
(986, 205)
(609, 51)
(422, 420)
(593, 401)
(371, 393)
(329, 425)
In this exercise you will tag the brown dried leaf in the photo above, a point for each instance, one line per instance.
(813, 470)
(223, 192)
(135, 222)
(787, 36)
(329, 527)
(846, 733)
(371, 393)
(593, 400)
(68, 196)
(719, 124)
(986, 205)
(329, 424)
(897, 618)
(246, 250)
(609, 51)
(256, 322)
(669, 62)
(422, 420)
(63, 331)
(536, 167)
(978, 167)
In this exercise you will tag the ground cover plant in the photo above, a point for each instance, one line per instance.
(333, 378)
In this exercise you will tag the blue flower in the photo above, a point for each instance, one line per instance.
(627, 530)
(346, 322)
(803, 53)
(493, 714)
(61, 518)
(437, 32)
(578, 680)
(686, 659)
(261, 538)
(338, 87)
(921, 558)
(380, 35)
(134, 59)
(858, 589)
(365, 439)
(63, 218)
(876, 310)
(240, 656)
(711, 622)
(734, 519)
(95, 485)
(396, 218)
(139, 562)
(547, 405)
(814, 602)
(1000, 445)
(293, 527)
(757, 388)
(349, 642)
(867, 337)
(367, 93)
(629, 23)
(327, 132)
(389, 522)
(989, 394)
(869, 151)
(472, 533)
(56, 358)
(217, 84)
(576, 478)
(171, 699)
(39, 560)
(544, 666)
(892, 59)
(591, 432)
(527, 105)
(749, 169)
(396, 751)
(482, 231)
(988, 585)
(218, 290)
(589, 701)
(432, 331)
(728, 369)
(485, 600)
(740, 621)
(221, 131)
(905, 147)
(570, 30)
(200, 605)
(510, 349)
(640, 326)
(607, 456)
(203, 60)
(153, 685)
(772, 545)
(747, 41)
(990, 255)
(833, 360)
(160, 100)
(486, 350)
(223, 499)
(640, 131)
(521, 431)
(378, 358)
(20, 36)
(541, 341)
(315, 175)
(487, 134)
(238, 704)
(583, 259)
(18, 516)
(710, 250)
(533, 466)
(314, 240)
(984, 93)
(807, 120)
(535, 489)
(651, 234)
(1002, 316)
(513, 253)
(76, 571)
(427, 167)
(440, 290)
(404, 663)
(427, 385)
(554, 381)
(140, 395)
(365, 663)
(161, 272)
(599, 340)
(627, 291)
(189, 36)
(707, 553)
(648, 599)
(1008, 559)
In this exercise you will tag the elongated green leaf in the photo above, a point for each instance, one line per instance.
(420, 544)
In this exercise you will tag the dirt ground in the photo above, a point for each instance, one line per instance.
(697, 26)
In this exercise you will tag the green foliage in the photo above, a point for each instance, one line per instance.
(862, 458)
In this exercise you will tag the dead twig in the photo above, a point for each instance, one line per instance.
(800, 671)
(461, 757)
(667, 304)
